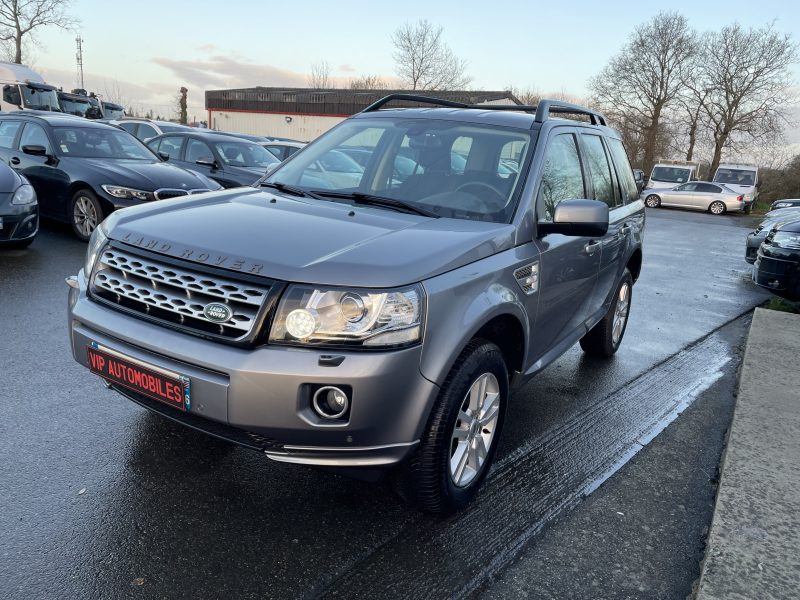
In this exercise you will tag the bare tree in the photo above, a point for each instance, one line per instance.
(643, 81)
(368, 82)
(113, 92)
(424, 61)
(320, 76)
(19, 19)
(529, 96)
(747, 73)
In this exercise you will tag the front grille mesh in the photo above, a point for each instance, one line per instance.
(177, 295)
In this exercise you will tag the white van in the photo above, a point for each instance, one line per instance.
(24, 89)
(670, 173)
(741, 178)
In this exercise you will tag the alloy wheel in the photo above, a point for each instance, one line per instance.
(473, 433)
(84, 215)
(621, 312)
(717, 208)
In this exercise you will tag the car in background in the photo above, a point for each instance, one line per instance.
(258, 139)
(777, 266)
(79, 105)
(147, 129)
(284, 149)
(740, 178)
(771, 219)
(230, 161)
(111, 110)
(19, 210)
(696, 195)
(82, 170)
(638, 176)
(671, 173)
(788, 203)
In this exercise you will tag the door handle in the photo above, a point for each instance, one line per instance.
(14, 160)
(592, 247)
(625, 229)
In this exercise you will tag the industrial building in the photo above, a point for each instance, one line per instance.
(303, 113)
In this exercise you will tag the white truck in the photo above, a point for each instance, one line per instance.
(671, 173)
(25, 89)
(741, 178)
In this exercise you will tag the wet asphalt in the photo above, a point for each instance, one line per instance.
(101, 499)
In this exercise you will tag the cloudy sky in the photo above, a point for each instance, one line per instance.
(145, 50)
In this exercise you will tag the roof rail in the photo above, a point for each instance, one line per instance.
(542, 109)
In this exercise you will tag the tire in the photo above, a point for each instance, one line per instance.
(748, 209)
(85, 213)
(434, 480)
(604, 339)
(652, 201)
(717, 208)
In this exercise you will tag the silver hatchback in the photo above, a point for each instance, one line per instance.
(697, 195)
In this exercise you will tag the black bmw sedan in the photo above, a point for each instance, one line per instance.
(82, 170)
(777, 267)
(19, 212)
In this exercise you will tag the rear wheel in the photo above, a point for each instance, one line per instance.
(717, 208)
(458, 446)
(605, 338)
(86, 214)
(652, 201)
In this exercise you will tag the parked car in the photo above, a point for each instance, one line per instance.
(19, 210)
(82, 170)
(79, 105)
(373, 324)
(24, 89)
(147, 129)
(788, 203)
(696, 195)
(668, 174)
(757, 236)
(111, 110)
(777, 266)
(257, 139)
(283, 150)
(230, 161)
(742, 179)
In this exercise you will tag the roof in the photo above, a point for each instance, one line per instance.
(55, 119)
(14, 72)
(519, 120)
(332, 102)
(208, 134)
(74, 97)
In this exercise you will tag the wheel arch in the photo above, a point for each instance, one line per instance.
(635, 264)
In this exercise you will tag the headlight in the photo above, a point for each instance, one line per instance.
(24, 195)
(786, 239)
(372, 318)
(96, 243)
(124, 192)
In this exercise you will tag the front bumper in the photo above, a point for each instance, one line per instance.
(781, 276)
(22, 223)
(259, 397)
(752, 245)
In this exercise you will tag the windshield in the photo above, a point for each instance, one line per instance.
(112, 112)
(75, 107)
(96, 142)
(670, 174)
(449, 168)
(40, 98)
(735, 176)
(245, 154)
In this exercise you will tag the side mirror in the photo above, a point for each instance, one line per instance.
(578, 218)
(163, 156)
(638, 176)
(35, 150)
(207, 162)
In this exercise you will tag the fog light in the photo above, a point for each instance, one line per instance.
(330, 402)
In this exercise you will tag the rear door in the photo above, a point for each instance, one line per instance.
(706, 193)
(569, 265)
(684, 196)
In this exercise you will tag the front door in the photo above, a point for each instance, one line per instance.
(50, 182)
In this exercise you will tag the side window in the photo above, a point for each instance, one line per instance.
(129, 127)
(290, 150)
(707, 187)
(277, 151)
(171, 145)
(34, 135)
(146, 132)
(626, 180)
(600, 171)
(197, 150)
(8, 133)
(11, 95)
(562, 176)
(686, 187)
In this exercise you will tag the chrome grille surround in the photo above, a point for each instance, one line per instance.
(167, 193)
(178, 295)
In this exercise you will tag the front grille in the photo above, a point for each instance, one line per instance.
(178, 295)
(167, 193)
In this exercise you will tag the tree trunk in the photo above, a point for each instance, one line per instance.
(18, 54)
(719, 144)
(692, 137)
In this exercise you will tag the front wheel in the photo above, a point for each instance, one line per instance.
(717, 208)
(459, 443)
(605, 338)
(86, 214)
(652, 201)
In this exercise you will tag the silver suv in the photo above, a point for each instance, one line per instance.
(373, 318)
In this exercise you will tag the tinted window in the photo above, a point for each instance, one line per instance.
(600, 170)
(96, 142)
(562, 177)
(624, 172)
(146, 132)
(707, 187)
(8, 132)
(278, 152)
(170, 145)
(245, 154)
(197, 150)
(670, 174)
(686, 187)
(34, 135)
(129, 127)
(735, 176)
(290, 150)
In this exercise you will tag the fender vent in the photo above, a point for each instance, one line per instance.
(528, 278)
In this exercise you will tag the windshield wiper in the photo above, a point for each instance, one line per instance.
(288, 189)
(371, 200)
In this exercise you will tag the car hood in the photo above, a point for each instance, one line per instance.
(310, 241)
(139, 174)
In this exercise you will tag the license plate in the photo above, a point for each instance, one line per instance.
(151, 381)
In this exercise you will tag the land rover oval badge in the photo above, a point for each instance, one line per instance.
(217, 312)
